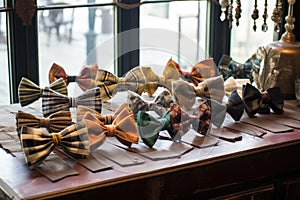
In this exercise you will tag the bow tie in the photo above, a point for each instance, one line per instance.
(185, 93)
(38, 144)
(160, 104)
(85, 79)
(201, 71)
(29, 92)
(106, 119)
(54, 123)
(232, 84)
(123, 127)
(234, 107)
(229, 67)
(153, 81)
(254, 99)
(53, 102)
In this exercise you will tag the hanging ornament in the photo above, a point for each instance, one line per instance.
(238, 12)
(264, 27)
(224, 5)
(277, 15)
(255, 15)
(229, 16)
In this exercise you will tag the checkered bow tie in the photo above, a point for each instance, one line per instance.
(185, 94)
(29, 92)
(123, 127)
(199, 72)
(54, 123)
(38, 144)
(53, 102)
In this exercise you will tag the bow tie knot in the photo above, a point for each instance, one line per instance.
(45, 122)
(72, 102)
(56, 137)
(111, 130)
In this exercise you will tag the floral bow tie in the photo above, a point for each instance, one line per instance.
(176, 121)
(153, 81)
(160, 104)
(54, 123)
(38, 144)
(123, 127)
(229, 67)
(29, 92)
(234, 107)
(185, 93)
(201, 71)
(106, 119)
(53, 102)
(254, 99)
(232, 84)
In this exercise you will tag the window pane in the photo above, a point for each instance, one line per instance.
(4, 81)
(77, 2)
(1, 3)
(244, 40)
(173, 30)
(67, 37)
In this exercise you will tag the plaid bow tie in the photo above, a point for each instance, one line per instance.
(106, 119)
(234, 107)
(53, 102)
(185, 93)
(160, 104)
(38, 144)
(85, 79)
(229, 67)
(123, 127)
(153, 81)
(201, 71)
(54, 123)
(232, 84)
(29, 92)
(254, 99)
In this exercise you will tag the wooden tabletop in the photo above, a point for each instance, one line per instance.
(18, 182)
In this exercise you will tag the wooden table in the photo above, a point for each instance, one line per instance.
(266, 167)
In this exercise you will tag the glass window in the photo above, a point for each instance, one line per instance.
(74, 37)
(244, 40)
(4, 81)
(175, 29)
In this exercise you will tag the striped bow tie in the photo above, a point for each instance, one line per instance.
(38, 144)
(199, 72)
(53, 102)
(54, 123)
(255, 100)
(85, 79)
(160, 104)
(29, 92)
(123, 127)
(185, 94)
(234, 107)
(106, 119)
(153, 81)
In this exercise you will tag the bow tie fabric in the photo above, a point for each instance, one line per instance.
(53, 102)
(185, 93)
(160, 104)
(234, 107)
(85, 79)
(38, 144)
(199, 72)
(29, 92)
(54, 123)
(254, 99)
(153, 81)
(106, 119)
(232, 84)
(123, 127)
